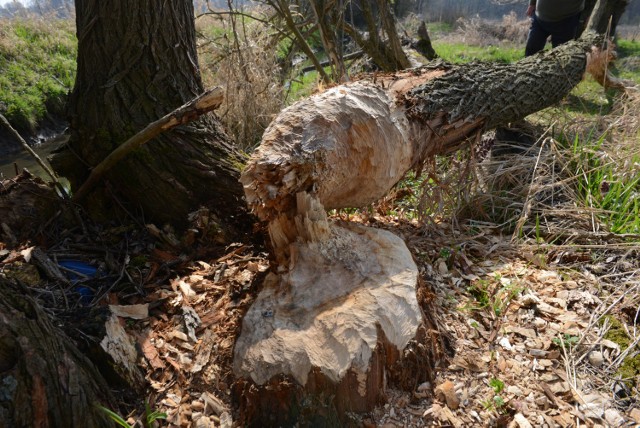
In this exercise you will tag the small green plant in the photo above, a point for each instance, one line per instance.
(496, 404)
(539, 239)
(497, 385)
(150, 416)
(493, 295)
(115, 417)
(445, 253)
(566, 341)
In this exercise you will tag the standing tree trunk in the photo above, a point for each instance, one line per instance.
(606, 15)
(282, 8)
(423, 45)
(386, 54)
(137, 62)
(332, 44)
(596, 15)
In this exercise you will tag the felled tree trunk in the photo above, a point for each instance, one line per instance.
(44, 380)
(333, 322)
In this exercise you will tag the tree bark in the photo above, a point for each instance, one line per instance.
(393, 47)
(26, 203)
(136, 63)
(309, 337)
(44, 380)
(605, 16)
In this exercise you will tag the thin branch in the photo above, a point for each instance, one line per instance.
(206, 102)
(44, 166)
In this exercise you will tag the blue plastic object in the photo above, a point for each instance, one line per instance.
(81, 268)
(76, 270)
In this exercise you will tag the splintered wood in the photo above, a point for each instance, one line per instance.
(341, 305)
(322, 144)
(325, 311)
(340, 311)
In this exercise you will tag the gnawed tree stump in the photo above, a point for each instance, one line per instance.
(348, 299)
(336, 316)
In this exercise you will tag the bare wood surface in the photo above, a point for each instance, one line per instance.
(208, 101)
(341, 314)
(314, 320)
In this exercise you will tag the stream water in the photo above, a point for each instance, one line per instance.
(19, 160)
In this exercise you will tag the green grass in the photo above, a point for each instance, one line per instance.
(461, 53)
(37, 69)
(603, 185)
(303, 85)
(628, 63)
(439, 28)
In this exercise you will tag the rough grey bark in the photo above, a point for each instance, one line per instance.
(44, 380)
(605, 16)
(500, 93)
(26, 202)
(137, 62)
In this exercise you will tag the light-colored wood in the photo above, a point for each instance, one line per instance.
(324, 312)
(338, 311)
(321, 145)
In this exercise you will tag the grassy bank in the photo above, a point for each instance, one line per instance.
(37, 64)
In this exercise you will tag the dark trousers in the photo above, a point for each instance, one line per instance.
(560, 32)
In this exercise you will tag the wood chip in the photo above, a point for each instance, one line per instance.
(136, 312)
(204, 351)
(213, 404)
(149, 350)
(446, 392)
(526, 332)
(521, 421)
(547, 391)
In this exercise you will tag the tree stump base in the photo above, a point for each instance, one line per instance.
(324, 336)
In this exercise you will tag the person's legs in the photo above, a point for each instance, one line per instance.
(537, 37)
(565, 30)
